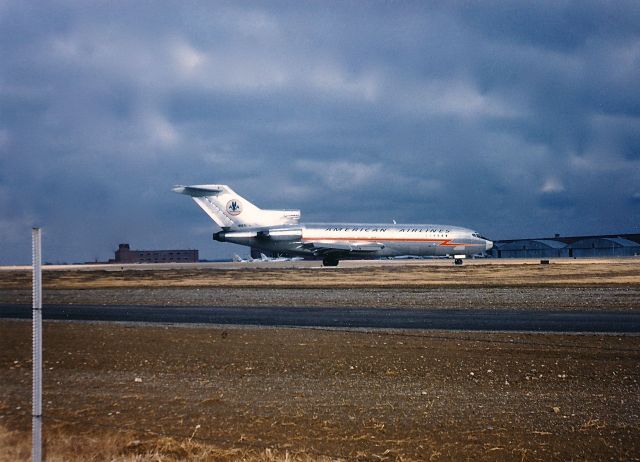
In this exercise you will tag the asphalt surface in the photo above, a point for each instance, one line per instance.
(370, 318)
(313, 264)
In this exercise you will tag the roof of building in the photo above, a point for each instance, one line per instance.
(529, 244)
(635, 238)
(552, 243)
(609, 242)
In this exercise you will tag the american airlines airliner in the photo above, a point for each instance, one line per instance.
(280, 231)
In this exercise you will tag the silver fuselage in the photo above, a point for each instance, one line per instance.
(391, 240)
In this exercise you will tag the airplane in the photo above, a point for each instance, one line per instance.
(263, 258)
(280, 231)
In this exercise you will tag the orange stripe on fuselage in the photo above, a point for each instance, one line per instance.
(442, 242)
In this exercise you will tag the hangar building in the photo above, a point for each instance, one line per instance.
(611, 245)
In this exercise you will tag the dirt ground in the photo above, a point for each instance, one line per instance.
(140, 392)
(618, 298)
(487, 284)
(135, 392)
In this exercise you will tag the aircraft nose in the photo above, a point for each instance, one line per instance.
(488, 244)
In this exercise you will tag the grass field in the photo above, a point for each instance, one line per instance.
(437, 273)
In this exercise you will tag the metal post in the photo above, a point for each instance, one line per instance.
(36, 412)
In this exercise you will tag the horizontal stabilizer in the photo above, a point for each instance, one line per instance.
(203, 190)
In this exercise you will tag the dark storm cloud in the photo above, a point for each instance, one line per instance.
(516, 119)
(554, 25)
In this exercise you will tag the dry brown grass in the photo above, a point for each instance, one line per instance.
(429, 274)
(62, 446)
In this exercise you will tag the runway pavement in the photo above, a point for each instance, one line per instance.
(306, 264)
(366, 318)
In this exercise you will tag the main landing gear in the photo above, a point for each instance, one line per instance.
(330, 261)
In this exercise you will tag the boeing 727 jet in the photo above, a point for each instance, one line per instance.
(281, 232)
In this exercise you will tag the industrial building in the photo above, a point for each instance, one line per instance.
(124, 254)
(610, 245)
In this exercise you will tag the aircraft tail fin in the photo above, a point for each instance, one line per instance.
(238, 259)
(231, 211)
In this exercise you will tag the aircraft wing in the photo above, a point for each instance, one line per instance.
(323, 247)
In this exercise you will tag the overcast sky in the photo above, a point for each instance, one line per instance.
(515, 120)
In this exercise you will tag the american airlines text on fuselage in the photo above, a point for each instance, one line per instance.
(399, 230)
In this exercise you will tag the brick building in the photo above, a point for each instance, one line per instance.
(124, 254)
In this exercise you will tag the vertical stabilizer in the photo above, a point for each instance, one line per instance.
(231, 211)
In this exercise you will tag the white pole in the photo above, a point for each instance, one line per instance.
(36, 413)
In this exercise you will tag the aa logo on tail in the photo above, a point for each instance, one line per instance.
(234, 207)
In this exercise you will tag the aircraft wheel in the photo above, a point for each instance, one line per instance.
(329, 261)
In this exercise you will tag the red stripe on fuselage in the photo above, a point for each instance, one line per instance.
(442, 242)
